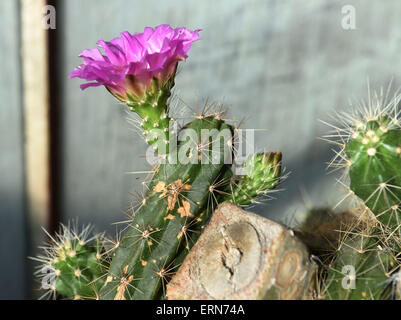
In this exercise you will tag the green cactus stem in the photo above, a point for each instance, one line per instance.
(356, 261)
(362, 270)
(365, 263)
(80, 271)
(153, 111)
(176, 197)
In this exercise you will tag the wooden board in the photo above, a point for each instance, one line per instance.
(34, 51)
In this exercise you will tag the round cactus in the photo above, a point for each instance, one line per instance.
(74, 265)
(370, 150)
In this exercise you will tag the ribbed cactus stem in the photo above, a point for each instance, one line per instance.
(153, 111)
(159, 230)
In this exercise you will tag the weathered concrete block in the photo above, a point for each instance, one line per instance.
(241, 255)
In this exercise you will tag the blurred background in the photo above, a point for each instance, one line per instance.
(279, 64)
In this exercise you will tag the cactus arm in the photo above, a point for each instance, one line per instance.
(262, 173)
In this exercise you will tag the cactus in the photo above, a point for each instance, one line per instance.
(160, 233)
(365, 265)
(73, 265)
(359, 251)
(371, 153)
(190, 178)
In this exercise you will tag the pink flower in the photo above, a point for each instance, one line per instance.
(134, 64)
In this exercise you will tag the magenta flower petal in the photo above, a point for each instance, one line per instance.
(132, 62)
(92, 55)
(90, 84)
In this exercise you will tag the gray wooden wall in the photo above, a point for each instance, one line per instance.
(13, 277)
(281, 64)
